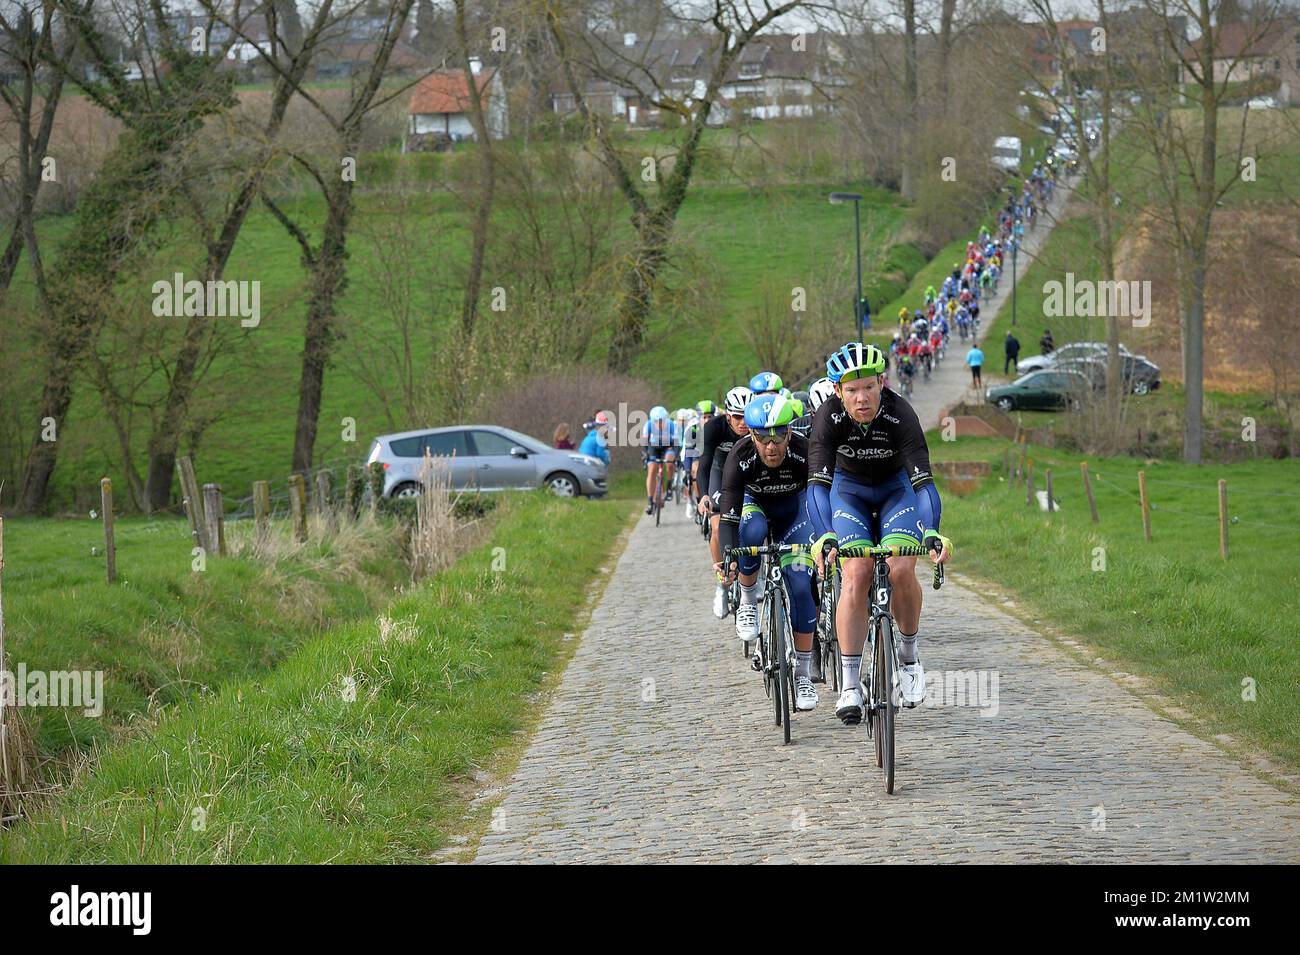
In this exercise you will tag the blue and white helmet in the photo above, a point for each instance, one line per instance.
(658, 413)
(765, 382)
(855, 360)
(770, 413)
(820, 390)
(736, 399)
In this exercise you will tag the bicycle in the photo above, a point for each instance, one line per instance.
(659, 488)
(880, 654)
(774, 652)
(827, 652)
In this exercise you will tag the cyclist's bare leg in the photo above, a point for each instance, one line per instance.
(652, 479)
(715, 543)
(905, 602)
(851, 612)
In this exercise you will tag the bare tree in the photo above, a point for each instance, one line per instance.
(729, 27)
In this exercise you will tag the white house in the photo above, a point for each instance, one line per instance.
(441, 101)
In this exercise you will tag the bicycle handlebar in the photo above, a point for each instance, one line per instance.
(904, 550)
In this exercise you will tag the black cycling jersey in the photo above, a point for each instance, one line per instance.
(746, 474)
(716, 438)
(871, 453)
(802, 426)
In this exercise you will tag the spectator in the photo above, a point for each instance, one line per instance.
(561, 437)
(975, 358)
(1046, 343)
(595, 444)
(1012, 346)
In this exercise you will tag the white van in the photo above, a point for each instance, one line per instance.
(1006, 153)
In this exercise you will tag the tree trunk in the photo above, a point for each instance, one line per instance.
(907, 184)
(327, 281)
(165, 439)
(947, 12)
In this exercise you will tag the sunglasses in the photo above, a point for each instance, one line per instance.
(771, 438)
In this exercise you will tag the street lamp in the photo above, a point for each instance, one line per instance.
(836, 199)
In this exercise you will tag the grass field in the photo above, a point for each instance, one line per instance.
(1171, 610)
(164, 633)
(361, 745)
(748, 242)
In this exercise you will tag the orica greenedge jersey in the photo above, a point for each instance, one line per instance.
(871, 453)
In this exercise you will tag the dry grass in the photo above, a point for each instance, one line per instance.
(433, 539)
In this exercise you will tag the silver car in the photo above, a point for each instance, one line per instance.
(487, 458)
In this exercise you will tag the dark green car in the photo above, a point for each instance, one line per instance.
(1041, 391)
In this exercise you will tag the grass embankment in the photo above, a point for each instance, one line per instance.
(360, 746)
(163, 632)
(1171, 610)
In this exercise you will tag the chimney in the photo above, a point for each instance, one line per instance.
(629, 39)
(475, 65)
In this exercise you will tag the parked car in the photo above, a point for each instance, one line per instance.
(487, 458)
(1065, 353)
(1261, 102)
(1140, 375)
(1041, 391)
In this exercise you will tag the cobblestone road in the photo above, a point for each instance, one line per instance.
(658, 746)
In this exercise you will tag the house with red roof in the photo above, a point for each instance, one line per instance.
(440, 105)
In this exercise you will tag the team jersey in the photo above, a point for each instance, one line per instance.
(871, 453)
(691, 439)
(661, 434)
(801, 426)
(745, 475)
(716, 441)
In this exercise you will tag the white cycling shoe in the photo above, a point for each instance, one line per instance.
(805, 694)
(720, 602)
(747, 622)
(911, 682)
(849, 706)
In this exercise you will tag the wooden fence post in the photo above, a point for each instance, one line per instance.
(110, 547)
(1087, 486)
(322, 501)
(1006, 463)
(356, 488)
(1029, 487)
(262, 509)
(1022, 459)
(1146, 505)
(1223, 518)
(216, 519)
(193, 503)
(1051, 505)
(298, 505)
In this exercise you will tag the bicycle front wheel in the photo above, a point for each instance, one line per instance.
(785, 682)
(883, 691)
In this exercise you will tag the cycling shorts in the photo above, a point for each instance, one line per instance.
(887, 513)
(785, 521)
(658, 455)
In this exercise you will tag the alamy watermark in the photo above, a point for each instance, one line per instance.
(974, 688)
(178, 298)
(1084, 298)
(79, 689)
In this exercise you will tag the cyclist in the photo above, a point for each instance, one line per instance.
(691, 445)
(819, 391)
(869, 481)
(716, 441)
(930, 294)
(660, 439)
(763, 491)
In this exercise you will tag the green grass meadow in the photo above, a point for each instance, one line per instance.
(1171, 610)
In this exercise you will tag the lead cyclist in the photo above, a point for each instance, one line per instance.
(869, 482)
